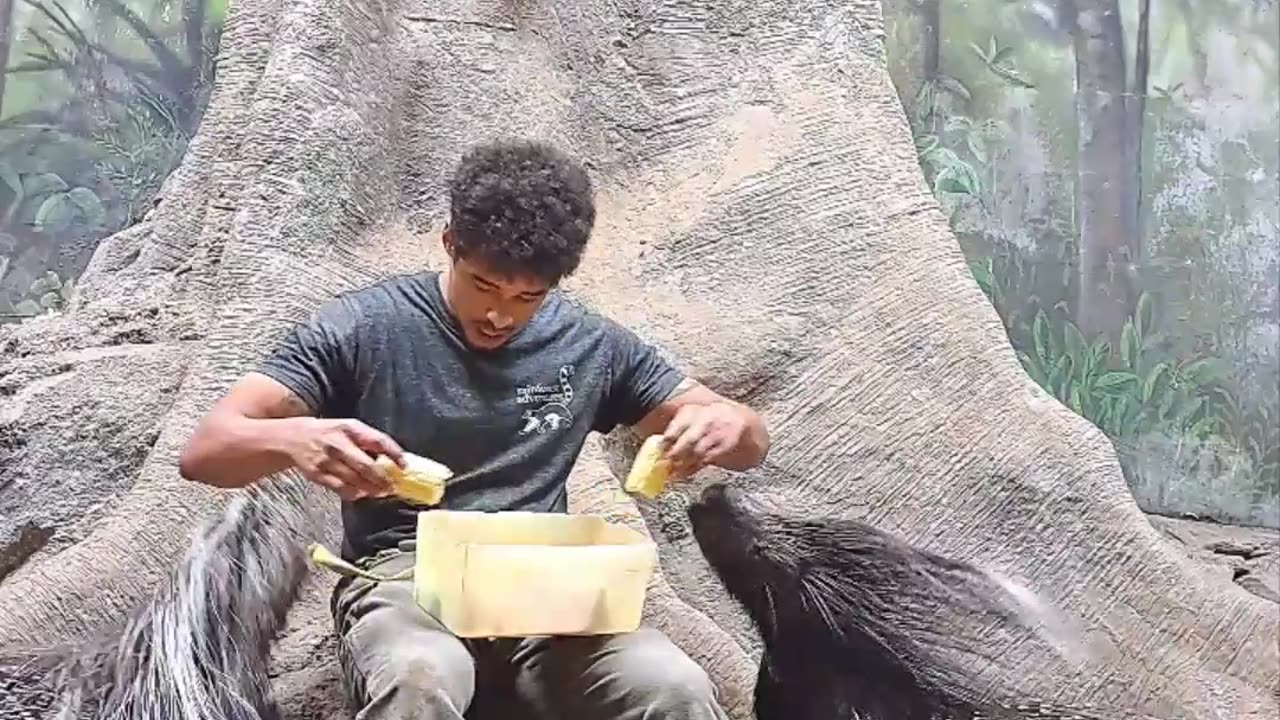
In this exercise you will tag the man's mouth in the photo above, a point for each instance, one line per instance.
(490, 333)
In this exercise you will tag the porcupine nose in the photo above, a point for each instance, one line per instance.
(717, 498)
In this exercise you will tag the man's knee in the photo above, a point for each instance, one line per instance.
(393, 667)
(413, 687)
(665, 679)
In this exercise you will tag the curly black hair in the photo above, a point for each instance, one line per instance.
(522, 207)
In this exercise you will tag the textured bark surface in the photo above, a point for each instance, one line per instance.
(762, 218)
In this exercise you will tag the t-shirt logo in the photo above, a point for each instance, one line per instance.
(552, 411)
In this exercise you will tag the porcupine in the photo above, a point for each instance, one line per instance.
(847, 615)
(198, 649)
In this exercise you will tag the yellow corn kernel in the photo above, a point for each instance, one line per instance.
(650, 472)
(420, 481)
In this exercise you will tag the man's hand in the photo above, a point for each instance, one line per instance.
(702, 435)
(339, 455)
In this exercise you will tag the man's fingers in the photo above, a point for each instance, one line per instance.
(685, 443)
(708, 446)
(338, 483)
(360, 467)
(375, 441)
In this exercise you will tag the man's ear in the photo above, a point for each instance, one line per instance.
(446, 239)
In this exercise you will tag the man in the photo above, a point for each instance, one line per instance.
(488, 369)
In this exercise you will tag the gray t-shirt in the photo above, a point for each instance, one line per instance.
(509, 422)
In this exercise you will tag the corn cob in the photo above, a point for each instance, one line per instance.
(650, 471)
(420, 481)
(325, 558)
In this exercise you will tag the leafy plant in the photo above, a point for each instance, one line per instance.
(48, 293)
(1131, 392)
(999, 61)
(47, 202)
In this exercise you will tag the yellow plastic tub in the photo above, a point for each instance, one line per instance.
(525, 574)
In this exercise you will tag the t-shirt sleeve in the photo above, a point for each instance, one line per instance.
(316, 359)
(640, 379)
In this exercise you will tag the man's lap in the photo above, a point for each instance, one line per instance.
(388, 640)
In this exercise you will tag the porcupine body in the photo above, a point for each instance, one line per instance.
(848, 615)
(199, 648)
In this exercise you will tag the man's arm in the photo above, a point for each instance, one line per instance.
(261, 427)
(703, 427)
(267, 421)
(654, 397)
(246, 435)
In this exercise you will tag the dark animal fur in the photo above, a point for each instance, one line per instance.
(199, 649)
(849, 617)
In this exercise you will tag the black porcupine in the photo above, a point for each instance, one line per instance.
(848, 615)
(199, 649)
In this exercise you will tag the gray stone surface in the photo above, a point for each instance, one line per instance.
(762, 217)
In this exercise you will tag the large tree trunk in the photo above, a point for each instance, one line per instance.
(1105, 188)
(763, 218)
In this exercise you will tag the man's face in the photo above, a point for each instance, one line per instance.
(490, 306)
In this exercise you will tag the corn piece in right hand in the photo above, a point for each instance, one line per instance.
(650, 471)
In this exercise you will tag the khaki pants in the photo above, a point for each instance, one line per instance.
(400, 664)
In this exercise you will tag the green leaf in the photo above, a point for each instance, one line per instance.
(28, 308)
(55, 214)
(1060, 378)
(942, 158)
(50, 300)
(1074, 340)
(1011, 76)
(1207, 371)
(1056, 346)
(977, 50)
(1040, 336)
(90, 206)
(1142, 315)
(954, 86)
(1167, 405)
(1034, 369)
(926, 144)
(1075, 400)
(42, 184)
(958, 123)
(978, 148)
(1001, 55)
(1149, 384)
(45, 283)
(1115, 381)
(1128, 343)
(1099, 350)
(983, 276)
(953, 181)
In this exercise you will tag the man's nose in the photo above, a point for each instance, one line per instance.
(498, 319)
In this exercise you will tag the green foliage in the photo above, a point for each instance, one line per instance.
(108, 93)
(1130, 393)
(1189, 394)
(999, 60)
(48, 293)
(1139, 391)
